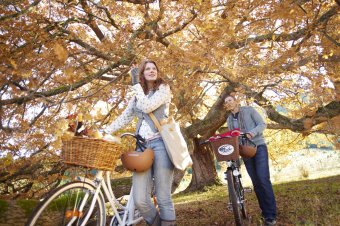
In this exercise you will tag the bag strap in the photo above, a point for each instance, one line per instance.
(241, 121)
(155, 121)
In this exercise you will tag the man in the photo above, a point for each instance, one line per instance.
(249, 121)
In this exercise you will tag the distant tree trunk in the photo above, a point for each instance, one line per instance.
(203, 170)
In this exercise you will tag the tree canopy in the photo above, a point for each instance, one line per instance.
(66, 56)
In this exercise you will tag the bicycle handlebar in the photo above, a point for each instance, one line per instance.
(128, 134)
(139, 139)
(231, 133)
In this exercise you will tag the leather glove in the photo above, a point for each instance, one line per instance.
(134, 76)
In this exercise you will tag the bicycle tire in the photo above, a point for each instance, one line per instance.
(60, 207)
(239, 188)
(234, 198)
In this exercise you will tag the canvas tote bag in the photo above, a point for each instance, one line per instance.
(174, 142)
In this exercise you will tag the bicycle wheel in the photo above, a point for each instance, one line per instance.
(234, 198)
(240, 192)
(69, 205)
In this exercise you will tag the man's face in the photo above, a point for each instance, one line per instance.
(229, 103)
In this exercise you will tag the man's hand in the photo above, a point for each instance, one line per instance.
(249, 135)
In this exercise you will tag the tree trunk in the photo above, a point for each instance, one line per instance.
(203, 170)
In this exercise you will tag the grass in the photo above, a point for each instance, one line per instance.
(121, 186)
(3, 207)
(27, 205)
(305, 203)
(308, 202)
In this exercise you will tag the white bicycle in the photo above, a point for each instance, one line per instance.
(81, 202)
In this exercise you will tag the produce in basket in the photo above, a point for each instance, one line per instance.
(77, 127)
(83, 145)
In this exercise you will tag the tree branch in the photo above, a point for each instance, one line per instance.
(138, 2)
(214, 119)
(62, 89)
(91, 22)
(91, 49)
(284, 37)
(27, 9)
(323, 114)
(108, 14)
(181, 26)
(217, 115)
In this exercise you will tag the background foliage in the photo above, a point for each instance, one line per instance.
(66, 56)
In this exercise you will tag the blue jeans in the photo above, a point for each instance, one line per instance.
(258, 170)
(162, 170)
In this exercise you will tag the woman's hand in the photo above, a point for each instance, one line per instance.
(134, 75)
(111, 138)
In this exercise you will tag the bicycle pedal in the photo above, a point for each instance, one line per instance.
(247, 190)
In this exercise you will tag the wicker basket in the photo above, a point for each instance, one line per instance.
(90, 153)
(226, 148)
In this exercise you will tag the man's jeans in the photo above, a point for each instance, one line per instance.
(162, 170)
(258, 170)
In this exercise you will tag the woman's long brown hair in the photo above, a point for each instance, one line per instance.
(142, 79)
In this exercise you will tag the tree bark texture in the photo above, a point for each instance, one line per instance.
(203, 170)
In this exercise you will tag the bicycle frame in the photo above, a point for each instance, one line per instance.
(234, 166)
(99, 182)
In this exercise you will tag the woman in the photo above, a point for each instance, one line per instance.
(249, 121)
(152, 94)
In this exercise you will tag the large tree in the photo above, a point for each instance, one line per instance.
(62, 57)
